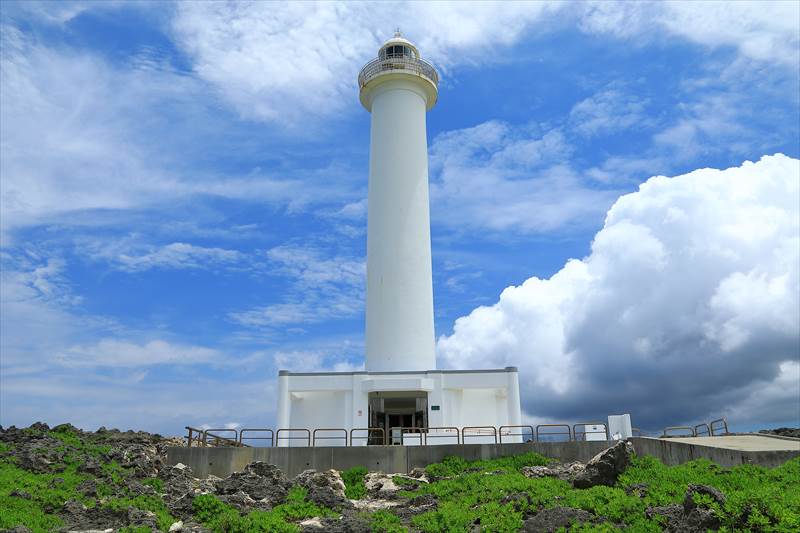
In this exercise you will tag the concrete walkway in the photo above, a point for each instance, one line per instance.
(745, 443)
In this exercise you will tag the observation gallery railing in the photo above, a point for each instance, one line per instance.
(420, 67)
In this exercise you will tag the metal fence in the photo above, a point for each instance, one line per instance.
(405, 436)
(715, 428)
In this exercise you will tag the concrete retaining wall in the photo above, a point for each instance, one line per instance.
(222, 462)
(672, 452)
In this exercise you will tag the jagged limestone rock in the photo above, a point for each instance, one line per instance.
(605, 467)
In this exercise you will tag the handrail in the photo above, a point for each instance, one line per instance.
(219, 438)
(271, 437)
(369, 430)
(401, 428)
(634, 432)
(314, 435)
(478, 433)
(417, 66)
(707, 431)
(675, 428)
(307, 437)
(713, 422)
(584, 432)
(568, 433)
(430, 435)
(500, 431)
(198, 438)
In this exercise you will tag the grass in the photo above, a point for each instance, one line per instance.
(473, 494)
(223, 518)
(491, 495)
(354, 487)
(154, 504)
(383, 521)
(48, 493)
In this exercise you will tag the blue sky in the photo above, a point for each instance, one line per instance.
(184, 187)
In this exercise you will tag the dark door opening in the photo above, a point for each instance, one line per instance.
(397, 409)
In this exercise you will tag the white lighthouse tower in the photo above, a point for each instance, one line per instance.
(398, 88)
(400, 397)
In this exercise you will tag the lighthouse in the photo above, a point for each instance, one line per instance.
(398, 88)
(400, 397)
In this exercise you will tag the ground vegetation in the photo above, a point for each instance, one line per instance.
(64, 479)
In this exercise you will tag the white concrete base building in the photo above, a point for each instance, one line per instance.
(432, 399)
(401, 387)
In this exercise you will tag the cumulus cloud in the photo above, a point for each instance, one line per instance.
(687, 306)
(501, 177)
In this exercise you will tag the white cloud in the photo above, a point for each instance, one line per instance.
(507, 178)
(315, 361)
(609, 110)
(77, 136)
(37, 311)
(322, 288)
(288, 62)
(291, 61)
(150, 405)
(176, 255)
(689, 297)
(763, 30)
(117, 353)
(54, 368)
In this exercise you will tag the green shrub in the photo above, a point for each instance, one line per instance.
(454, 465)
(451, 466)
(145, 502)
(383, 521)
(449, 516)
(354, 487)
(21, 512)
(78, 443)
(223, 518)
(156, 483)
(469, 493)
(298, 508)
(49, 492)
(403, 481)
(207, 507)
(497, 518)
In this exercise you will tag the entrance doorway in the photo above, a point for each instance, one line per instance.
(397, 409)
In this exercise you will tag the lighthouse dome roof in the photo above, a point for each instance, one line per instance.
(399, 40)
